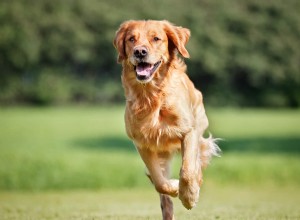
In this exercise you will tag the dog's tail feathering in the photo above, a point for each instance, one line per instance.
(209, 148)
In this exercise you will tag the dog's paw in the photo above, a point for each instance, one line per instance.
(174, 186)
(169, 187)
(189, 192)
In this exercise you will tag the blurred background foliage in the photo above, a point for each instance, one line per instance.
(243, 53)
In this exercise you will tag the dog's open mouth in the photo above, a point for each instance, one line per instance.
(144, 71)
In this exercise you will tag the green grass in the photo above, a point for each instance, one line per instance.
(65, 148)
(77, 163)
(215, 203)
(87, 148)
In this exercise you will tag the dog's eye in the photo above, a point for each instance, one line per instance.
(131, 39)
(156, 39)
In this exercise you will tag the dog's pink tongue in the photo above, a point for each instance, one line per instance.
(144, 69)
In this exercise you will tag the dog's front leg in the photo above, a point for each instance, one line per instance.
(189, 185)
(166, 203)
(161, 183)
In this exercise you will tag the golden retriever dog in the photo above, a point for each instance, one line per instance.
(164, 111)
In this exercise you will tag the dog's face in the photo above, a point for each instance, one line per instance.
(147, 45)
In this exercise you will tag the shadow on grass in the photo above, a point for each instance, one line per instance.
(262, 145)
(106, 143)
(255, 145)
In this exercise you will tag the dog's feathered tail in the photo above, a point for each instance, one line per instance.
(209, 148)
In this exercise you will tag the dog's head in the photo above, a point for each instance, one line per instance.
(146, 45)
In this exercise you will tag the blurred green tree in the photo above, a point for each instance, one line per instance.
(243, 53)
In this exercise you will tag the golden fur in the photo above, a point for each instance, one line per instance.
(164, 111)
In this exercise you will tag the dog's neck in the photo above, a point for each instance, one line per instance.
(140, 97)
(147, 97)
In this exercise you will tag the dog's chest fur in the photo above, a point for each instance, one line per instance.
(155, 124)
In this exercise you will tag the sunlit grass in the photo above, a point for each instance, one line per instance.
(254, 123)
(77, 163)
(87, 148)
(228, 203)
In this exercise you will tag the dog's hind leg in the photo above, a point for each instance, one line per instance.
(166, 205)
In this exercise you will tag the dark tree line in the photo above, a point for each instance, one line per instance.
(243, 53)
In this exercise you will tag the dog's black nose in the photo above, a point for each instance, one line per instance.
(140, 52)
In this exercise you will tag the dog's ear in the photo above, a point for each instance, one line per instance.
(178, 37)
(119, 41)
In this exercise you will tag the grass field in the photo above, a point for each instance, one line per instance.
(77, 163)
(215, 203)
